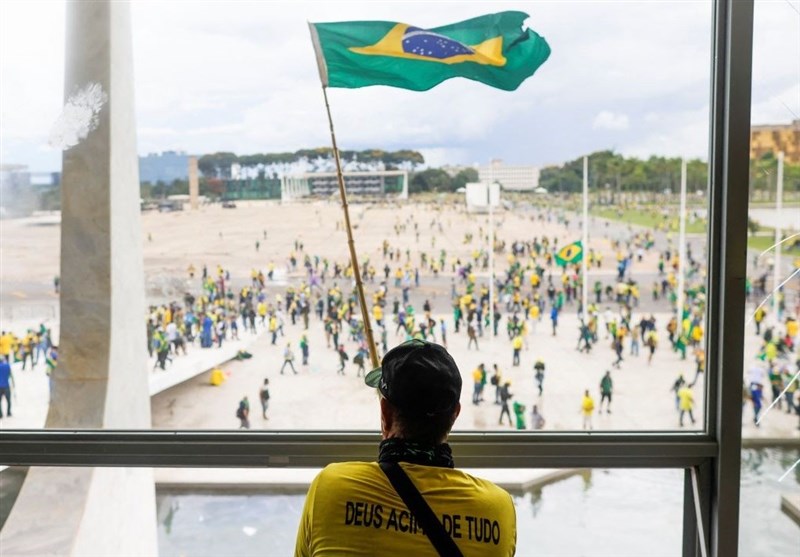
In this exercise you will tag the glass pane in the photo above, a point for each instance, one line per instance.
(594, 502)
(773, 284)
(243, 511)
(249, 512)
(770, 502)
(266, 241)
(771, 397)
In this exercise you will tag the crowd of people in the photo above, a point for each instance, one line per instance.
(530, 288)
(631, 316)
(30, 350)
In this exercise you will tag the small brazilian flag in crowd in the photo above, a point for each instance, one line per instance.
(569, 254)
(494, 49)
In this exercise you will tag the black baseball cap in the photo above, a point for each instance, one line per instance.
(418, 377)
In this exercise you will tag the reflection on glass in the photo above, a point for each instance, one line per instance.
(620, 512)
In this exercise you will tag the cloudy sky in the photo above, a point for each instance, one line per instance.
(241, 76)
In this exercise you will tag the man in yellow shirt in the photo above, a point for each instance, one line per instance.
(516, 345)
(377, 313)
(686, 403)
(355, 508)
(6, 342)
(587, 409)
(478, 375)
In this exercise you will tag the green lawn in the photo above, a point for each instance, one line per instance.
(652, 218)
(760, 243)
(649, 218)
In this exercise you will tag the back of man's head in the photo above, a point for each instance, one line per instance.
(422, 383)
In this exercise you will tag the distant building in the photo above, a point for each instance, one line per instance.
(14, 176)
(45, 179)
(16, 195)
(776, 138)
(512, 178)
(387, 184)
(164, 167)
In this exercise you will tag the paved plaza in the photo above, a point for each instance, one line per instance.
(317, 397)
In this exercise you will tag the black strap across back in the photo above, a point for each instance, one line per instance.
(422, 512)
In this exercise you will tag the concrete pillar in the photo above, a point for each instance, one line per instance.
(194, 183)
(102, 378)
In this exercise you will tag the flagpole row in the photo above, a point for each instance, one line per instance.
(585, 243)
(776, 267)
(373, 353)
(682, 251)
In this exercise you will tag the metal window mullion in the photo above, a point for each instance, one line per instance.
(728, 177)
(312, 449)
(690, 548)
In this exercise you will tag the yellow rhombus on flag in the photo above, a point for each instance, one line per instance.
(571, 253)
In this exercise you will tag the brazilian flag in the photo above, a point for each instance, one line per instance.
(493, 49)
(569, 254)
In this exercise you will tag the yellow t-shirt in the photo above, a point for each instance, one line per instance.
(352, 509)
(587, 405)
(6, 342)
(686, 398)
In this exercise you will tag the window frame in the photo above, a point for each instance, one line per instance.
(714, 454)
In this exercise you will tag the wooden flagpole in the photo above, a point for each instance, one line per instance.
(373, 353)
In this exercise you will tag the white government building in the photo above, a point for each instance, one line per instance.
(513, 178)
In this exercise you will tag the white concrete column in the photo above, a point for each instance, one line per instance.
(102, 378)
(194, 184)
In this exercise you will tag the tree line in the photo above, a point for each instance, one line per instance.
(612, 171)
(608, 171)
(437, 180)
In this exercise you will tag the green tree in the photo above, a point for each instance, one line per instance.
(431, 179)
(217, 165)
(464, 177)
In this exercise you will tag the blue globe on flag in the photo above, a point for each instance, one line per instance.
(432, 45)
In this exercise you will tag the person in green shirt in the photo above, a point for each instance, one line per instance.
(519, 414)
(606, 386)
(776, 383)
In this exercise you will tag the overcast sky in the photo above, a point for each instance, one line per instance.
(241, 76)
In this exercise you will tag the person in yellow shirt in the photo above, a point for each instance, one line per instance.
(516, 345)
(273, 328)
(6, 342)
(686, 402)
(261, 309)
(697, 334)
(397, 505)
(478, 375)
(792, 328)
(377, 313)
(587, 409)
